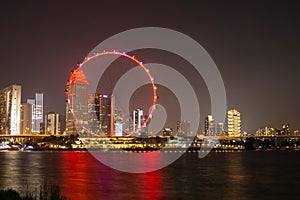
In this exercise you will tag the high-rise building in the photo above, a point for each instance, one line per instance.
(209, 128)
(94, 113)
(220, 129)
(178, 126)
(285, 129)
(118, 129)
(185, 127)
(62, 122)
(52, 125)
(101, 114)
(37, 112)
(10, 111)
(26, 118)
(106, 114)
(42, 127)
(77, 103)
(140, 122)
(234, 122)
(137, 119)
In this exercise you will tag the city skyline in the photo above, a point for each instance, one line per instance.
(255, 46)
(77, 76)
(97, 116)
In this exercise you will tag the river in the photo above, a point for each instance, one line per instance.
(220, 175)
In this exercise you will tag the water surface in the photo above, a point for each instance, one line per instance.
(230, 175)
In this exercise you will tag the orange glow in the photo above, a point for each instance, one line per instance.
(78, 77)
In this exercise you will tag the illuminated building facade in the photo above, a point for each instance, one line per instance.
(285, 129)
(118, 129)
(94, 113)
(101, 114)
(220, 129)
(106, 114)
(77, 102)
(167, 132)
(52, 124)
(266, 131)
(26, 118)
(137, 119)
(37, 112)
(209, 128)
(10, 110)
(62, 123)
(234, 122)
(185, 127)
(178, 126)
(139, 122)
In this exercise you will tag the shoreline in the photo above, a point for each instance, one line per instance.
(167, 150)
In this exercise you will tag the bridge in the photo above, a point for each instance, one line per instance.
(247, 137)
(28, 136)
(198, 137)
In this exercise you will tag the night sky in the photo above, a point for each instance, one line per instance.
(255, 45)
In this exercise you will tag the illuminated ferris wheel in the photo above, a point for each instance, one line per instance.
(77, 95)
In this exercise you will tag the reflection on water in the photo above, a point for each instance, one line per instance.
(87, 179)
(243, 175)
(136, 162)
(19, 170)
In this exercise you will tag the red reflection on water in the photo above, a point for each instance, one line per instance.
(152, 188)
(83, 177)
(76, 174)
(149, 184)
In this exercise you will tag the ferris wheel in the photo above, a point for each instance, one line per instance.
(79, 113)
